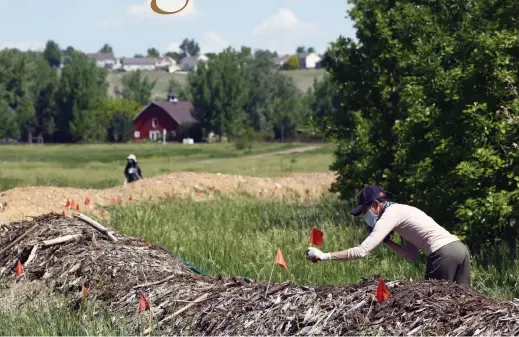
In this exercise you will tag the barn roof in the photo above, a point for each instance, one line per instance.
(181, 112)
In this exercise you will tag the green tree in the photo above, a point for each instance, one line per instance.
(287, 111)
(119, 114)
(300, 50)
(219, 94)
(310, 50)
(274, 105)
(324, 106)
(80, 98)
(52, 53)
(292, 63)
(106, 48)
(8, 122)
(137, 86)
(152, 52)
(16, 71)
(428, 99)
(174, 55)
(189, 48)
(44, 86)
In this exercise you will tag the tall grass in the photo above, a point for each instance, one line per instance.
(240, 237)
(38, 312)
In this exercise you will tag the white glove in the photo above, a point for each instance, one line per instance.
(315, 255)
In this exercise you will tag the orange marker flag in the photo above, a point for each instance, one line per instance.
(87, 201)
(113, 200)
(63, 213)
(130, 198)
(77, 207)
(307, 191)
(316, 237)
(280, 259)
(85, 291)
(382, 292)
(19, 268)
(72, 203)
(169, 195)
(144, 304)
(68, 203)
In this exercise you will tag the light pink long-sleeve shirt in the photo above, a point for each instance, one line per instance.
(412, 224)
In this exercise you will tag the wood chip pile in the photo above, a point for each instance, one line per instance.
(67, 253)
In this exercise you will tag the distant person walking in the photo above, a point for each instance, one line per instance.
(447, 257)
(132, 172)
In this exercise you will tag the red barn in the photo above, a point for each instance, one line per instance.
(157, 116)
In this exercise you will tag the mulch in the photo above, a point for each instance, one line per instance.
(67, 253)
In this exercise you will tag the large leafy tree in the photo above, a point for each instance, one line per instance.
(118, 117)
(189, 47)
(428, 109)
(219, 92)
(52, 53)
(80, 99)
(274, 105)
(16, 79)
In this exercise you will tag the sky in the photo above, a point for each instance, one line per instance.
(131, 27)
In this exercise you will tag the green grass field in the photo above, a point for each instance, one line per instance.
(101, 166)
(304, 79)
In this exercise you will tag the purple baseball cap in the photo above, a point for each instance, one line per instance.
(366, 197)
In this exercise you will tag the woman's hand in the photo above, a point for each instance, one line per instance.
(316, 255)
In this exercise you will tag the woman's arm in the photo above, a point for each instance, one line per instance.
(409, 251)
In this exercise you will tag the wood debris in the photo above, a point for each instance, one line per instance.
(182, 302)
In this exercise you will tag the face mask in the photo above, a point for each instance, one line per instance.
(371, 218)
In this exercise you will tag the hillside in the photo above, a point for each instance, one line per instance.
(303, 78)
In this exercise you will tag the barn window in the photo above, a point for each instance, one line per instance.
(173, 134)
(154, 122)
(137, 134)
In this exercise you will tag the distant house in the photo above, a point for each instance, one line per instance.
(104, 60)
(156, 117)
(202, 58)
(190, 63)
(308, 60)
(149, 63)
(138, 63)
(166, 64)
(280, 61)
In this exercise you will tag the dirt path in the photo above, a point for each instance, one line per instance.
(25, 202)
(289, 151)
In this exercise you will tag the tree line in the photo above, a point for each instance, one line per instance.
(426, 104)
(61, 96)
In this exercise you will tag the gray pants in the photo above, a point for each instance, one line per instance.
(451, 262)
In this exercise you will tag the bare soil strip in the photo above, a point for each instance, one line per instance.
(25, 202)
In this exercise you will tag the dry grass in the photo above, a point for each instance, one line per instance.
(304, 79)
